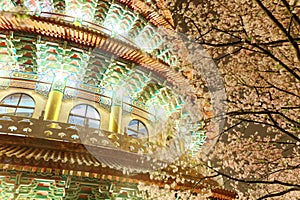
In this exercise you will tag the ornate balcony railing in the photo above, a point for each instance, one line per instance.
(65, 132)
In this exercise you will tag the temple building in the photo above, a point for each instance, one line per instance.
(90, 106)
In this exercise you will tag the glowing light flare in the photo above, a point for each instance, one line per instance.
(6, 5)
(114, 28)
(158, 111)
(36, 6)
(120, 92)
(118, 21)
(60, 76)
(75, 12)
(81, 13)
(4, 73)
(148, 39)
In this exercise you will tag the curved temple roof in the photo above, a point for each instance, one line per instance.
(154, 11)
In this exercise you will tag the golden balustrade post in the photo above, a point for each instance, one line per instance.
(116, 112)
(55, 99)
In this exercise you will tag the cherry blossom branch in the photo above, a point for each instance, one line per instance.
(221, 44)
(278, 88)
(279, 193)
(290, 107)
(275, 142)
(199, 29)
(228, 129)
(247, 112)
(274, 182)
(291, 9)
(203, 178)
(271, 86)
(290, 25)
(297, 124)
(277, 111)
(280, 26)
(231, 127)
(282, 169)
(276, 160)
(281, 129)
(228, 54)
(266, 51)
(257, 54)
(272, 125)
(265, 112)
(276, 42)
(271, 55)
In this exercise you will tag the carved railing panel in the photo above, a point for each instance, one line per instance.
(39, 128)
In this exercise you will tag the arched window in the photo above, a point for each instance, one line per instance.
(85, 115)
(18, 104)
(137, 129)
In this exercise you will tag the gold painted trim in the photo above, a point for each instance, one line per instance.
(53, 105)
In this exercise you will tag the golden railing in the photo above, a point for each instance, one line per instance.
(65, 132)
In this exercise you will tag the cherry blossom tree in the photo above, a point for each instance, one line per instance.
(256, 45)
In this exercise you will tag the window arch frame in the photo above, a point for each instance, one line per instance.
(18, 106)
(137, 130)
(85, 117)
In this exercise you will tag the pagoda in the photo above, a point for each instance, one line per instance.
(89, 102)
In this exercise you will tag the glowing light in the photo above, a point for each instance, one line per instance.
(36, 6)
(159, 112)
(6, 5)
(119, 92)
(148, 39)
(60, 77)
(113, 28)
(79, 15)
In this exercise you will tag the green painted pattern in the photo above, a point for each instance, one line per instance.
(21, 187)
